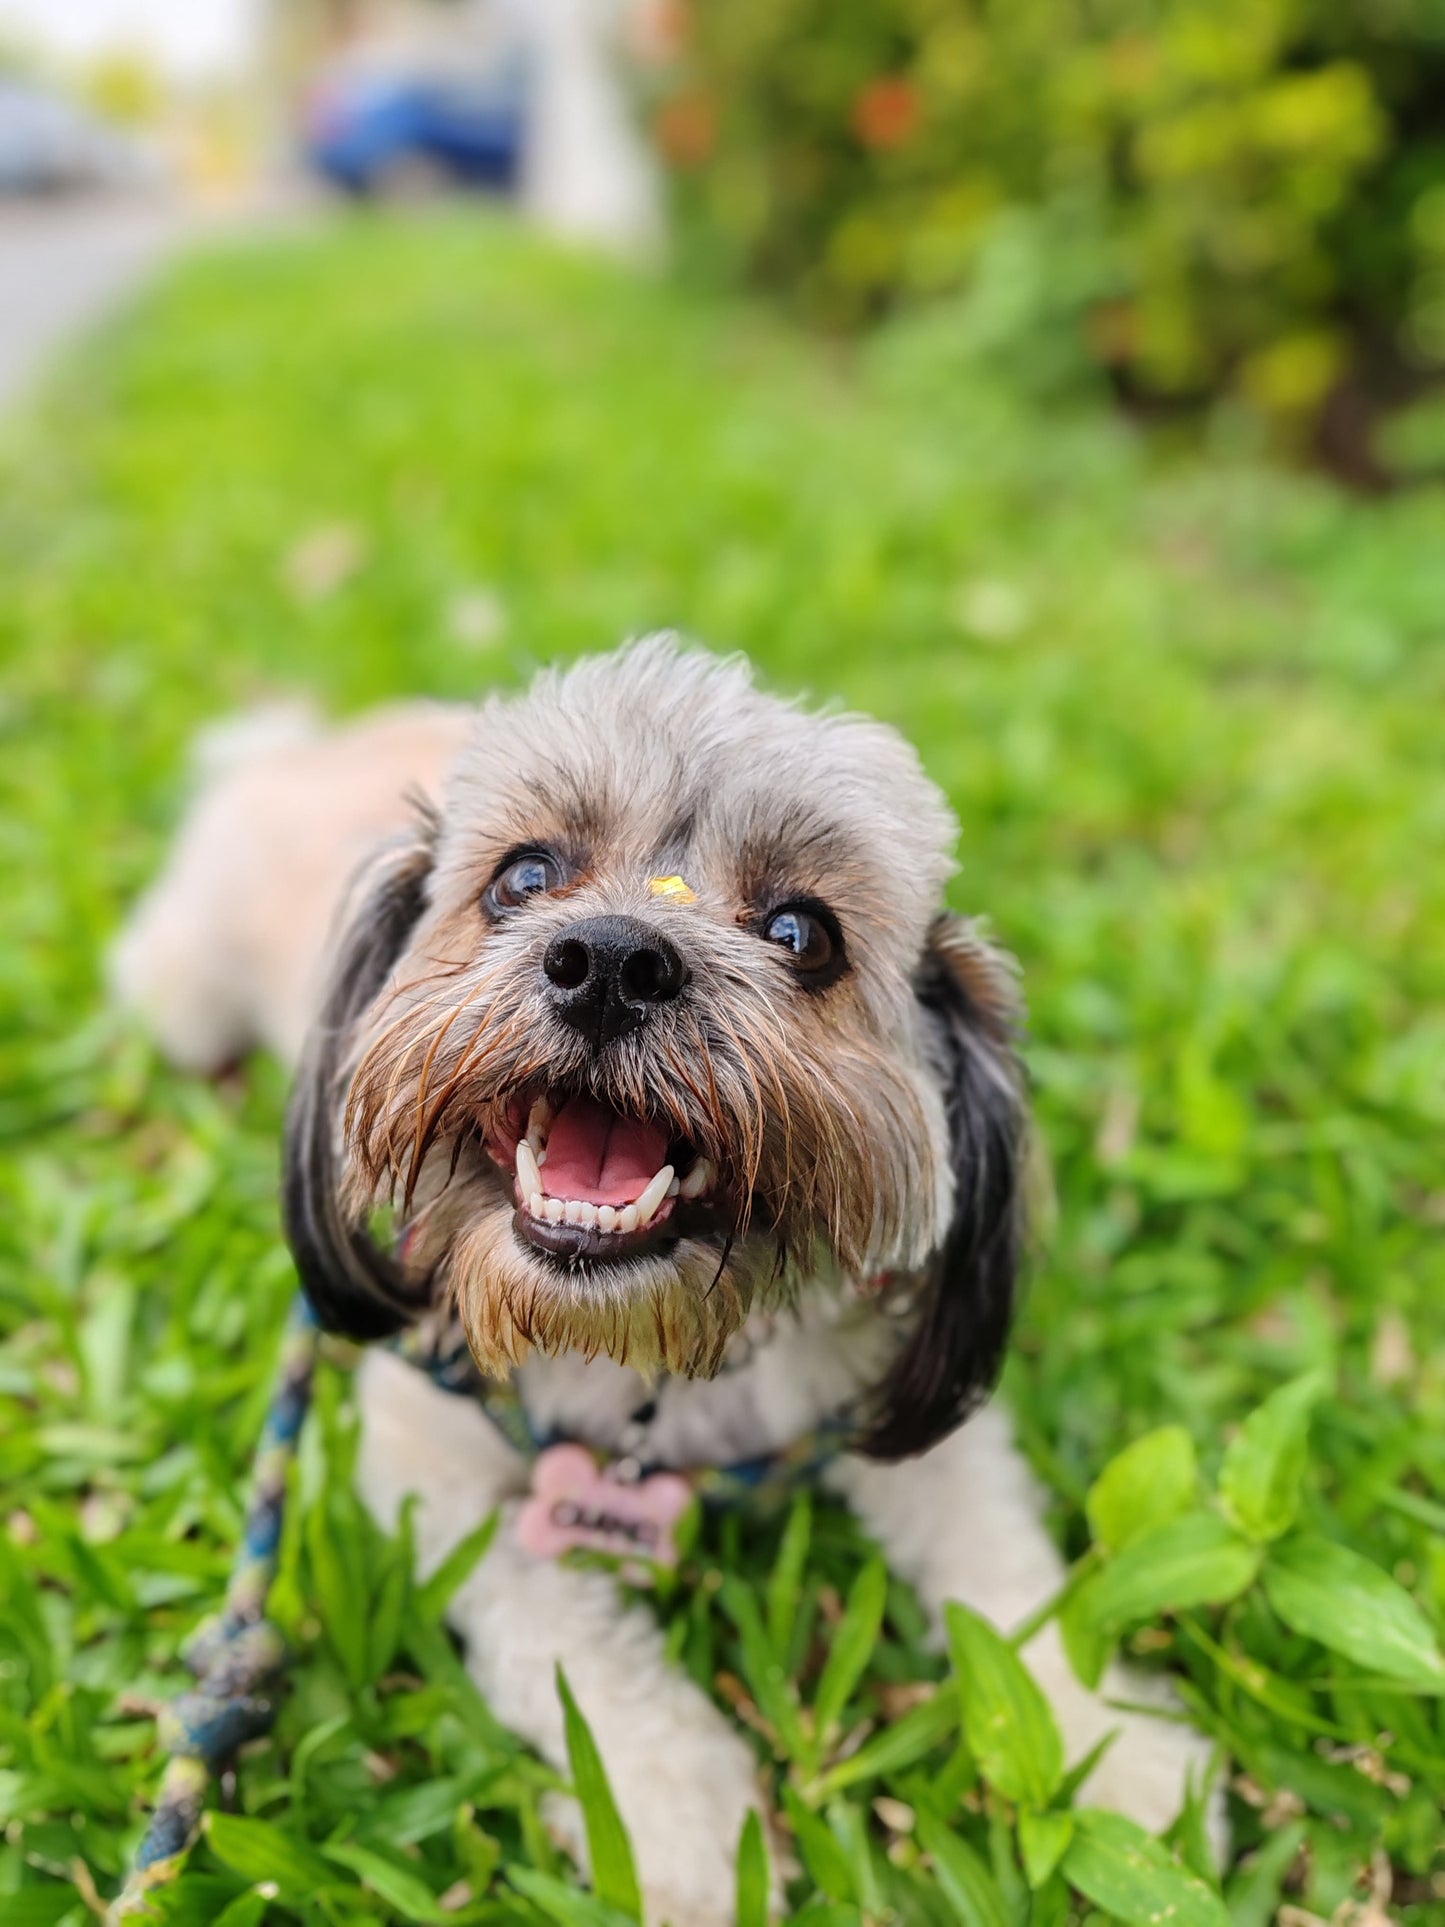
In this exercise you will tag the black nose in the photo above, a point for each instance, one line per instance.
(607, 973)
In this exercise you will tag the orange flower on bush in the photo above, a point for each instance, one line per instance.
(885, 113)
(686, 129)
(658, 30)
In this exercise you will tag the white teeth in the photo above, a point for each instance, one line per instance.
(699, 1179)
(653, 1196)
(528, 1176)
(562, 1210)
(531, 1154)
(665, 1184)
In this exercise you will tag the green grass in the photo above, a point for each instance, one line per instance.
(1191, 721)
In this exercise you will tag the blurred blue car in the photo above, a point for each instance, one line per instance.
(372, 132)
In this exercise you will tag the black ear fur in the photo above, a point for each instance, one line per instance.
(354, 1287)
(965, 1306)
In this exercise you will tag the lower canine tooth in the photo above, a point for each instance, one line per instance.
(627, 1218)
(537, 1205)
(606, 1218)
(653, 1196)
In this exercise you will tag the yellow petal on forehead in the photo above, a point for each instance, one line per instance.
(674, 887)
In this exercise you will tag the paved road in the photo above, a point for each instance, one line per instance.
(63, 266)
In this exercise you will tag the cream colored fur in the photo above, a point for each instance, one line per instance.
(225, 954)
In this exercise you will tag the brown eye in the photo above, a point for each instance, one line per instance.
(811, 935)
(532, 874)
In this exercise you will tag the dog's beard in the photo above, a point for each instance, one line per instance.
(812, 1142)
(673, 1312)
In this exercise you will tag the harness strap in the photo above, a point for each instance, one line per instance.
(761, 1481)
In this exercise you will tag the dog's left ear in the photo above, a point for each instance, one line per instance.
(969, 994)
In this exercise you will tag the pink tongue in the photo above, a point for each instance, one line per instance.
(598, 1155)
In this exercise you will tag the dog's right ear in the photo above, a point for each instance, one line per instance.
(966, 1291)
(353, 1285)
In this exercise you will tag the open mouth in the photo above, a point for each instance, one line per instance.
(592, 1182)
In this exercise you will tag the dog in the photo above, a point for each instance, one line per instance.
(634, 1000)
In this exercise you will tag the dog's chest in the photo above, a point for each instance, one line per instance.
(785, 1375)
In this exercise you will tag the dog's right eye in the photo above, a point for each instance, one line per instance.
(529, 875)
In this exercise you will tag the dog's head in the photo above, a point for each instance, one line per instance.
(657, 1015)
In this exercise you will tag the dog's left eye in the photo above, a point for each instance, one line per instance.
(809, 932)
(529, 875)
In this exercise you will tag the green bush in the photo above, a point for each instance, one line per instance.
(1215, 196)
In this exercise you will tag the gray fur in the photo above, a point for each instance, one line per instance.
(850, 1146)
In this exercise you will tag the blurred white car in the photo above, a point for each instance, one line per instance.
(49, 144)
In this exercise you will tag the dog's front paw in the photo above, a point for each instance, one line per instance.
(684, 1787)
(1152, 1761)
(1151, 1765)
(686, 1867)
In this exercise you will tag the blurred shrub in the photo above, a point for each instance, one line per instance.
(125, 87)
(1212, 196)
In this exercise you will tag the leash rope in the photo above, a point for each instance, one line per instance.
(238, 1655)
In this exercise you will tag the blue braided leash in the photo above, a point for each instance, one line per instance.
(237, 1656)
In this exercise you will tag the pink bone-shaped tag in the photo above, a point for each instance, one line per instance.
(574, 1504)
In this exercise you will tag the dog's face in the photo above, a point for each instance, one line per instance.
(655, 1018)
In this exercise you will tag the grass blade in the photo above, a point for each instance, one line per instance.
(614, 1874)
(433, 1598)
(1143, 1487)
(753, 1874)
(407, 1897)
(568, 1906)
(1136, 1879)
(1264, 1465)
(1007, 1722)
(969, 1886)
(785, 1583)
(898, 1745)
(853, 1644)
(1329, 1593)
(260, 1852)
(1198, 1560)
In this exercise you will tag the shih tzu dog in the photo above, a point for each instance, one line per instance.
(633, 999)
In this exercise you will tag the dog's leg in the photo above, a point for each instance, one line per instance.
(684, 1779)
(964, 1521)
